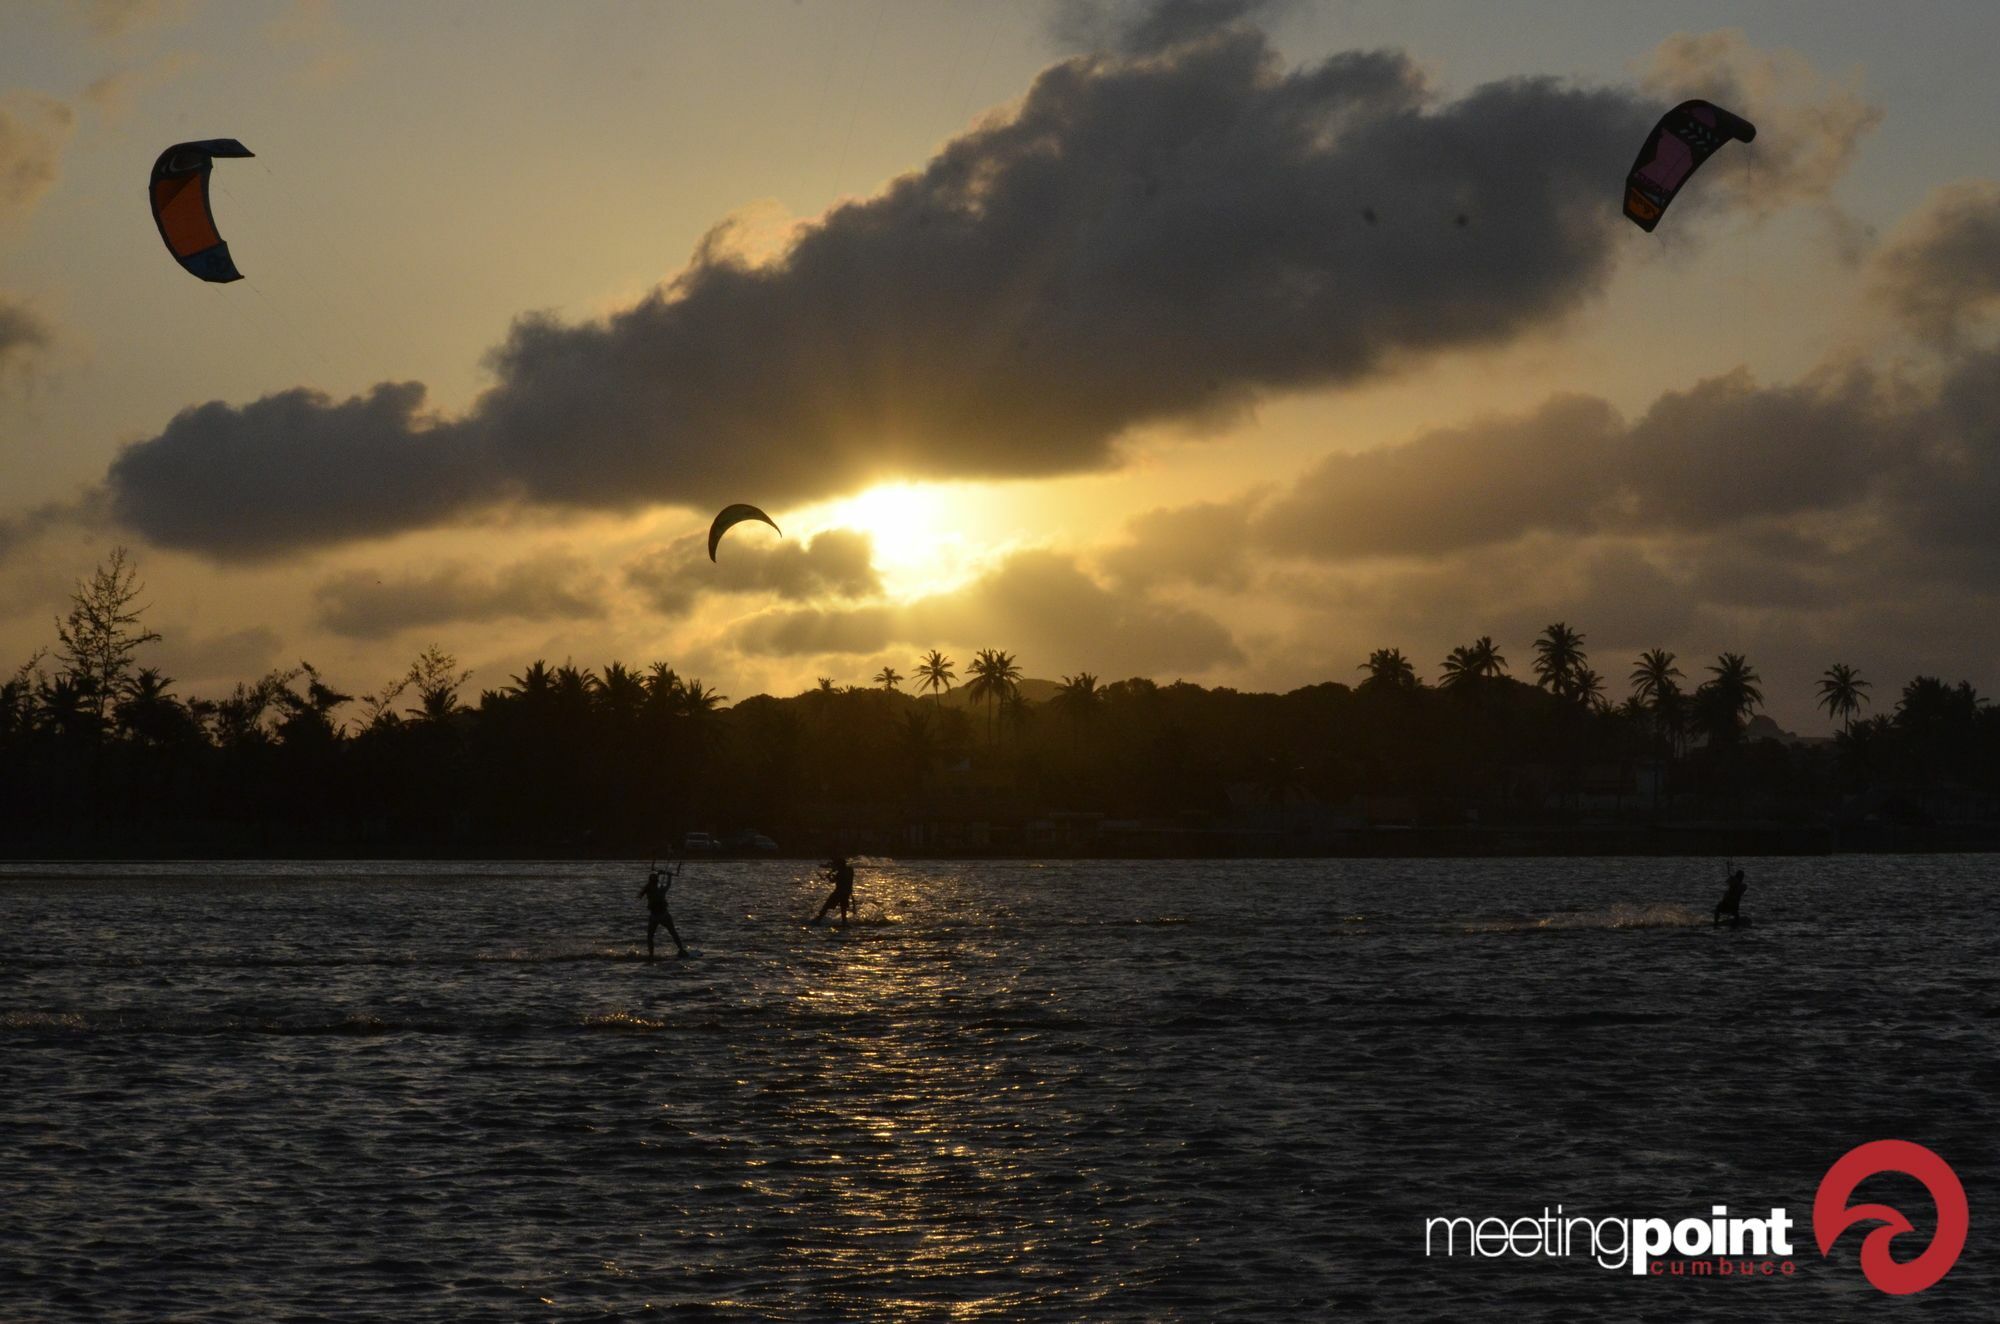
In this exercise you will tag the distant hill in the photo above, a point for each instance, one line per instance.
(1033, 690)
(1762, 727)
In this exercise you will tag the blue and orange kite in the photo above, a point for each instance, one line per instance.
(179, 193)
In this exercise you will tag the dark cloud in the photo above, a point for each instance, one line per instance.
(1944, 504)
(813, 631)
(1206, 544)
(22, 334)
(1727, 577)
(294, 470)
(836, 563)
(1458, 487)
(1143, 27)
(33, 131)
(1630, 600)
(1729, 449)
(1145, 240)
(1037, 604)
(363, 605)
(1726, 452)
(1940, 270)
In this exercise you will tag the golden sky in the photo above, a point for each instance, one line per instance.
(1226, 341)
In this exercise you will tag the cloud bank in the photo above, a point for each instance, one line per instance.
(1940, 270)
(363, 605)
(1040, 604)
(1145, 239)
(835, 563)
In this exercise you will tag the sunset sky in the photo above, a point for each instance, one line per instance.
(1206, 340)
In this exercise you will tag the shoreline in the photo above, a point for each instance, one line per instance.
(1614, 842)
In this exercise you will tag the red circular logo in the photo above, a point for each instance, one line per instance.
(1832, 1215)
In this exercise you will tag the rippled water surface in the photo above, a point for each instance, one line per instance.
(1063, 1091)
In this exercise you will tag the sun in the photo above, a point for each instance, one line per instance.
(917, 532)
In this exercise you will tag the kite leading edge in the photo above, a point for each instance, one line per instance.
(729, 517)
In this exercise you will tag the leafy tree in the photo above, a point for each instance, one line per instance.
(436, 678)
(96, 640)
(17, 700)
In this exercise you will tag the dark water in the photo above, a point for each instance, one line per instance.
(1049, 1092)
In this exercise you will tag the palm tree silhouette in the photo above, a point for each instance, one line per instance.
(1587, 688)
(888, 678)
(1559, 657)
(699, 701)
(1672, 713)
(1486, 659)
(536, 682)
(1015, 712)
(1656, 689)
(937, 672)
(663, 684)
(1079, 693)
(1653, 675)
(1388, 669)
(1726, 700)
(620, 693)
(994, 677)
(1461, 670)
(1471, 663)
(148, 710)
(1840, 693)
(1080, 697)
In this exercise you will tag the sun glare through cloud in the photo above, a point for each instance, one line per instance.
(925, 537)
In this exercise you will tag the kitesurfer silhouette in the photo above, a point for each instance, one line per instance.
(1731, 899)
(655, 892)
(841, 874)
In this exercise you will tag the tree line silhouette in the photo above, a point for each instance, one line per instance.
(99, 755)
